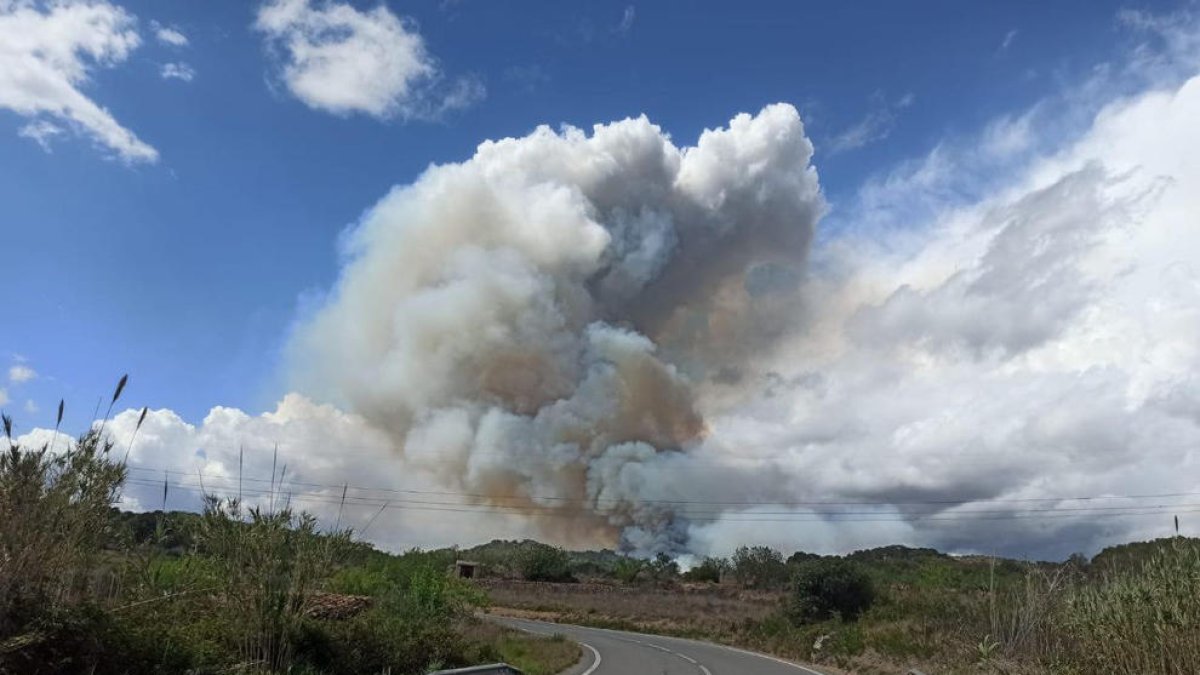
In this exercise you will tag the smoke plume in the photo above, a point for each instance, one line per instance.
(532, 324)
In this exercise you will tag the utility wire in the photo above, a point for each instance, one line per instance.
(535, 497)
(838, 516)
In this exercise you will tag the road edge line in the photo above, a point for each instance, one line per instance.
(596, 663)
(591, 669)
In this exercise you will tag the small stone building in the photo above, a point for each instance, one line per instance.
(466, 569)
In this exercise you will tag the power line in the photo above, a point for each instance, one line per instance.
(375, 501)
(835, 516)
(535, 497)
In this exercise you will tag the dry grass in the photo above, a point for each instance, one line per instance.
(685, 609)
(533, 654)
(1139, 618)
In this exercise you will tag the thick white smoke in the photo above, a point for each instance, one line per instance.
(518, 322)
(607, 326)
(626, 340)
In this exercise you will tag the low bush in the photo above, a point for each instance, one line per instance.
(830, 588)
(627, 570)
(54, 519)
(1142, 619)
(545, 563)
(85, 588)
(710, 570)
(759, 567)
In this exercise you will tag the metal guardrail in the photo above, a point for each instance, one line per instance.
(490, 669)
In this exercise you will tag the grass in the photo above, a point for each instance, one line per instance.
(237, 588)
(55, 519)
(1135, 610)
(85, 588)
(1147, 621)
(533, 654)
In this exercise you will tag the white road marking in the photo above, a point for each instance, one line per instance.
(623, 635)
(768, 657)
(660, 648)
(596, 663)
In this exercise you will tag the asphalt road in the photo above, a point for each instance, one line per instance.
(611, 652)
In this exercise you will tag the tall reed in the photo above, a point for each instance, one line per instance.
(271, 562)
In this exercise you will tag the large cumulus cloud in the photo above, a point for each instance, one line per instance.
(607, 338)
(1036, 345)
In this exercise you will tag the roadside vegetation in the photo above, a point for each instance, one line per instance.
(262, 588)
(1131, 609)
(236, 588)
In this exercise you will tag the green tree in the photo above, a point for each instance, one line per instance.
(710, 569)
(545, 563)
(829, 588)
(759, 567)
(663, 567)
(629, 569)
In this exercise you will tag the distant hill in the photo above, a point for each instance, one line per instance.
(895, 563)
(1138, 552)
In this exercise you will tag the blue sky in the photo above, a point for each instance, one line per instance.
(187, 272)
(990, 295)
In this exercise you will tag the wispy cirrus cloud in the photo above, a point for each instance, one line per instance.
(1008, 40)
(875, 126)
(627, 19)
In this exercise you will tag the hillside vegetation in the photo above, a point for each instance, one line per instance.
(85, 588)
(240, 588)
(1132, 609)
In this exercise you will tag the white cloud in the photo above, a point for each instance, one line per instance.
(592, 323)
(178, 71)
(30, 406)
(319, 450)
(168, 35)
(3, 396)
(527, 77)
(1038, 343)
(627, 18)
(41, 132)
(875, 126)
(1008, 40)
(338, 59)
(21, 373)
(47, 52)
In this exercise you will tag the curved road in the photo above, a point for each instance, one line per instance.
(613, 652)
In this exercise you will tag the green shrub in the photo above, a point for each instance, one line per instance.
(545, 563)
(378, 641)
(54, 520)
(759, 567)
(710, 570)
(88, 639)
(627, 570)
(830, 588)
(269, 563)
(1144, 618)
(663, 567)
